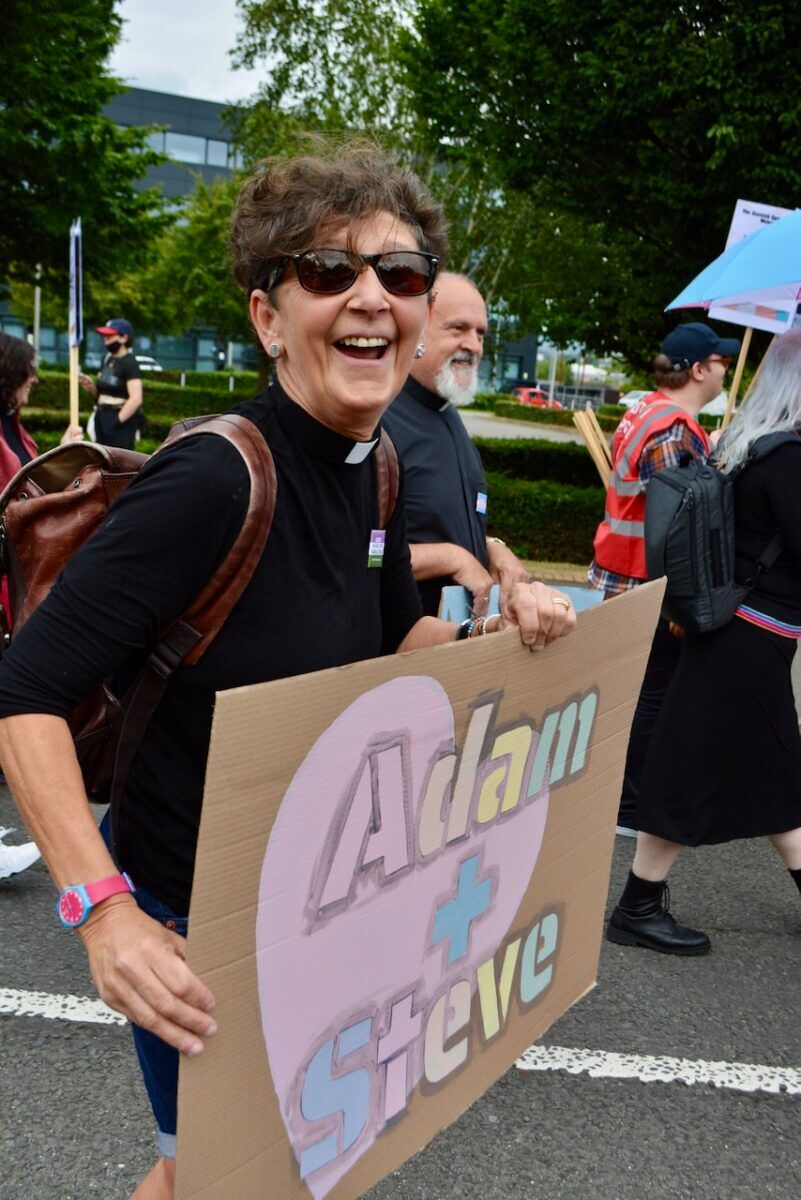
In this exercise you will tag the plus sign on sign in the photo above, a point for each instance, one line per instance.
(400, 885)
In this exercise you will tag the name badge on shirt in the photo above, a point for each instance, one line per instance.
(375, 555)
(481, 502)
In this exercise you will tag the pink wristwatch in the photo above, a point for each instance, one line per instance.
(77, 901)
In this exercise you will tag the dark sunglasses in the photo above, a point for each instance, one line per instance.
(326, 272)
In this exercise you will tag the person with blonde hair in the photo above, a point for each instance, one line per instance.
(724, 761)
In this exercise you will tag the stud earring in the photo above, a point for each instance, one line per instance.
(274, 350)
(420, 351)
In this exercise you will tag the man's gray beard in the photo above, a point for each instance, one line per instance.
(450, 389)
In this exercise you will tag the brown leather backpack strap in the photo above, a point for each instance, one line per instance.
(210, 611)
(186, 640)
(387, 475)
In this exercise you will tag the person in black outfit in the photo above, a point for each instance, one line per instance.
(117, 419)
(725, 758)
(338, 256)
(446, 493)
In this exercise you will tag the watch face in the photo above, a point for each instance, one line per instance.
(71, 906)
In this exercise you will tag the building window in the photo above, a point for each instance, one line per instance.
(156, 141)
(185, 147)
(216, 153)
(235, 159)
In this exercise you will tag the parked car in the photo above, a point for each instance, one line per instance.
(534, 396)
(146, 363)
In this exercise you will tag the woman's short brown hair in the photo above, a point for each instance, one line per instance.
(282, 208)
(665, 376)
(16, 364)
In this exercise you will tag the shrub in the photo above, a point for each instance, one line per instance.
(547, 416)
(53, 393)
(535, 458)
(705, 420)
(486, 401)
(547, 521)
(246, 383)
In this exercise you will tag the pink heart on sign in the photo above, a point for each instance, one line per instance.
(327, 980)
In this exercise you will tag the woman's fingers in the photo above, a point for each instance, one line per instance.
(542, 613)
(139, 969)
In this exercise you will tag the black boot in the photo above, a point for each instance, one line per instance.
(642, 919)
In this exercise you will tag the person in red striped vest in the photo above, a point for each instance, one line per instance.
(654, 435)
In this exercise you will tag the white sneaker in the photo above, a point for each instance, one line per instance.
(14, 859)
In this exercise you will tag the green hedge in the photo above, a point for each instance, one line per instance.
(547, 416)
(705, 420)
(52, 392)
(535, 458)
(486, 401)
(47, 439)
(246, 383)
(546, 521)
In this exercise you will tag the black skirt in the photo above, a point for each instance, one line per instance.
(725, 759)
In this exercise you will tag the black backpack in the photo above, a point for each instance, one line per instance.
(689, 537)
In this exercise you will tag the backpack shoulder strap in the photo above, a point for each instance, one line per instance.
(211, 608)
(192, 633)
(387, 474)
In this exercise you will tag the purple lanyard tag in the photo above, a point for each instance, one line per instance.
(375, 555)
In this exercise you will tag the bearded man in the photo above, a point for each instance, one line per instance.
(446, 492)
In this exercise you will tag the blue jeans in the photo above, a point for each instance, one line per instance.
(157, 1060)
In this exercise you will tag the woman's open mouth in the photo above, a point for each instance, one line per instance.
(364, 348)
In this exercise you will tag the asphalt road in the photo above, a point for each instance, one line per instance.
(75, 1121)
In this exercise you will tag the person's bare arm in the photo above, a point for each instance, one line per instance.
(505, 568)
(430, 560)
(88, 383)
(137, 965)
(134, 400)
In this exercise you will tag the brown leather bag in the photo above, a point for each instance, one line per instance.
(55, 503)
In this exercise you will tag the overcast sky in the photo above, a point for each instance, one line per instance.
(182, 46)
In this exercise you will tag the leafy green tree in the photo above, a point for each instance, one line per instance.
(335, 68)
(186, 280)
(59, 157)
(645, 122)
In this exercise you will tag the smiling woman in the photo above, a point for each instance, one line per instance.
(338, 256)
(339, 278)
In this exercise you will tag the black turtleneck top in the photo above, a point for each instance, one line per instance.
(312, 603)
(446, 493)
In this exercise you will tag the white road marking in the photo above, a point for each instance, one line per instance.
(598, 1064)
(58, 1008)
(602, 1064)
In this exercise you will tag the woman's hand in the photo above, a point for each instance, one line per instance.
(139, 969)
(73, 433)
(88, 383)
(541, 614)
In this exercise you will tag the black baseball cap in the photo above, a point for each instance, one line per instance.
(694, 342)
(116, 325)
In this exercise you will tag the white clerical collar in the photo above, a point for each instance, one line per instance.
(360, 451)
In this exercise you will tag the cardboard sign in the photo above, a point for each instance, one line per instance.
(400, 884)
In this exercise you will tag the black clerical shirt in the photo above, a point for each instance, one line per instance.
(313, 603)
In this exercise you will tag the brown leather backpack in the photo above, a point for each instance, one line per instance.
(57, 502)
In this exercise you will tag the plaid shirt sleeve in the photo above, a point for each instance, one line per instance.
(666, 449)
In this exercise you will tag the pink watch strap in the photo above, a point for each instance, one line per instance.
(112, 885)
